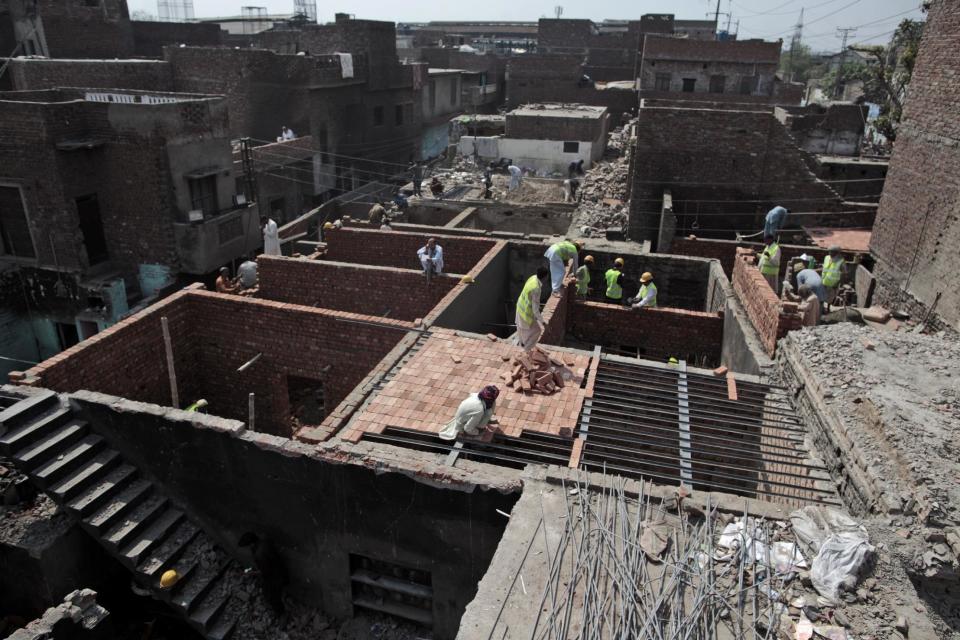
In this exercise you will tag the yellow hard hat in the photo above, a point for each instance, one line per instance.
(588, 259)
(618, 262)
(579, 244)
(328, 225)
(467, 279)
(169, 578)
(673, 362)
(646, 277)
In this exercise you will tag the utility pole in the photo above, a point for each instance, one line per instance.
(558, 11)
(716, 18)
(795, 42)
(844, 35)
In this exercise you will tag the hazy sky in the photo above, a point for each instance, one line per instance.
(770, 19)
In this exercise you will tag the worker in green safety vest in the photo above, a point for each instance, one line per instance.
(558, 254)
(769, 263)
(832, 272)
(647, 297)
(529, 321)
(583, 277)
(614, 278)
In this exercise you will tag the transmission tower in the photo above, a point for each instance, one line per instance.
(844, 35)
(175, 10)
(558, 11)
(306, 10)
(795, 42)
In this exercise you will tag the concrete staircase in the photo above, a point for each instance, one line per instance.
(130, 516)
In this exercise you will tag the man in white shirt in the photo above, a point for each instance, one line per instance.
(431, 258)
(271, 237)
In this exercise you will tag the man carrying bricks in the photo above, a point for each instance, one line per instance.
(473, 414)
(529, 321)
(769, 263)
(431, 258)
(614, 278)
(558, 254)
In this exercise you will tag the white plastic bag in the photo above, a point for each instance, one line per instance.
(840, 544)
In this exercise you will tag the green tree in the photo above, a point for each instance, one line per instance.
(885, 80)
(798, 64)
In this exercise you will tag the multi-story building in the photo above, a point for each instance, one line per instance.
(106, 197)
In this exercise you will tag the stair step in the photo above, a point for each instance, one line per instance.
(136, 520)
(114, 508)
(226, 623)
(71, 458)
(93, 497)
(214, 602)
(51, 444)
(202, 553)
(22, 436)
(169, 550)
(203, 578)
(86, 475)
(149, 538)
(27, 408)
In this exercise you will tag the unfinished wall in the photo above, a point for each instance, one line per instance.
(726, 251)
(771, 317)
(375, 291)
(725, 169)
(556, 78)
(149, 38)
(682, 283)
(917, 231)
(316, 508)
(398, 249)
(39, 73)
(657, 334)
(476, 307)
(80, 29)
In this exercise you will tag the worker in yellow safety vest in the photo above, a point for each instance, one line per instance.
(529, 321)
(614, 278)
(583, 277)
(769, 263)
(832, 272)
(558, 254)
(647, 297)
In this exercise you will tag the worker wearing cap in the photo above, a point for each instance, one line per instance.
(769, 263)
(529, 321)
(647, 297)
(474, 413)
(832, 272)
(583, 277)
(614, 278)
(558, 254)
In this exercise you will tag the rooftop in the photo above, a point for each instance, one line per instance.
(556, 110)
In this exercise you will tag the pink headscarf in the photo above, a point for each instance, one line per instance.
(489, 394)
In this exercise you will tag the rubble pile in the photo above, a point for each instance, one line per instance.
(536, 372)
(603, 194)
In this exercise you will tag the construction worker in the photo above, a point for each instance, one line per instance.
(376, 215)
(271, 236)
(769, 263)
(475, 412)
(812, 279)
(528, 319)
(832, 272)
(614, 278)
(647, 297)
(774, 221)
(809, 305)
(558, 254)
(431, 258)
(225, 284)
(583, 277)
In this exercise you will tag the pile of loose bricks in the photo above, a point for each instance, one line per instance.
(771, 317)
(536, 372)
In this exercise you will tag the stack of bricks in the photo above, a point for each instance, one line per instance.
(771, 317)
(536, 372)
(399, 249)
(378, 291)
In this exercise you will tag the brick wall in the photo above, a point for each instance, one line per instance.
(77, 29)
(555, 78)
(551, 126)
(213, 334)
(771, 317)
(917, 231)
(659, 333)
(725, 169)
(151, 37)
(39, 73)
(375, 291)
(726, 251)
(398, 249)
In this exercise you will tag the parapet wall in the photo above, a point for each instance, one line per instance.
(770, 316)
(398, 249)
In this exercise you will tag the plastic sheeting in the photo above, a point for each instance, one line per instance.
(840, 546)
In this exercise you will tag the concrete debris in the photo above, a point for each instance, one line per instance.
(78, 609)
(536, 372)
(603, 194)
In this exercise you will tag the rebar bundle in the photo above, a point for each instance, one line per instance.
(606, 580)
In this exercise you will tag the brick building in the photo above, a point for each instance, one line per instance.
(836, 129)
(680, 65)
(105, 197)
(66, 29)
(917, 232)
(723, 167)
(483, 85)
(560, 78)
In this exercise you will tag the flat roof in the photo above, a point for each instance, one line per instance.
(441, 72)
(559, 111)
(857, 240)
